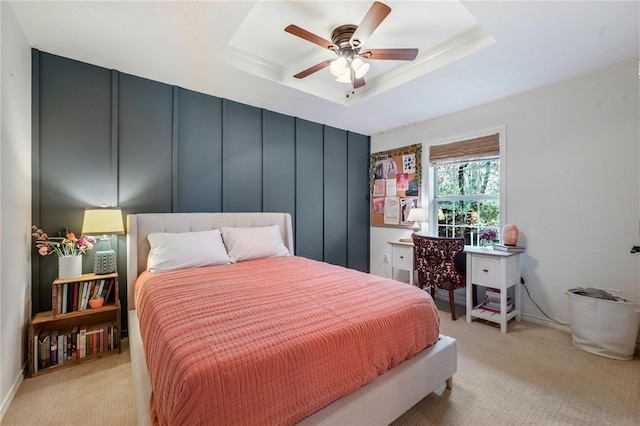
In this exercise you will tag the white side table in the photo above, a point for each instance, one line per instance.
(494, 269)
(402, 258)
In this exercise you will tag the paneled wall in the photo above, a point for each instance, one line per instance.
(111, 138)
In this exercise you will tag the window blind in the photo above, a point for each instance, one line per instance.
(467, 150)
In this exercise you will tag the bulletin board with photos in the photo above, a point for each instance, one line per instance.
(394, 181)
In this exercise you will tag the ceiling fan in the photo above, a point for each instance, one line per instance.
(347, 43)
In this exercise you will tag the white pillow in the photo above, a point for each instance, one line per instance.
(170, 251)
(253, 243)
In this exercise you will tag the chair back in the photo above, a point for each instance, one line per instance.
(436, 262)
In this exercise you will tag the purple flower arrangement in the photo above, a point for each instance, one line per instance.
(489, 235)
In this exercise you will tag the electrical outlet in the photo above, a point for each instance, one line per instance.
(387, 259)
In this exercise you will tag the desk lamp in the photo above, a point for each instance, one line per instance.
(103, 221)
(416, 216)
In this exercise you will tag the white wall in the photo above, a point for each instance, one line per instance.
(15, 202)
(573, 162)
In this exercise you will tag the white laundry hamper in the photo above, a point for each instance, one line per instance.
(608, 328)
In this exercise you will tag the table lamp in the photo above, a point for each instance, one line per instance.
(103, 221)
(416, 216)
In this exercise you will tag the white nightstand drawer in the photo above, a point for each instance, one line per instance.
(485, 271)
(403, 258)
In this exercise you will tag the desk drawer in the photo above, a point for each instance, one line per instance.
(403, 258)
(486, 271)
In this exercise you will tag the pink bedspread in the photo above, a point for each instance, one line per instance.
(271, 341)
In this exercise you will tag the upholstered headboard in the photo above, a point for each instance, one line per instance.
(142, 224)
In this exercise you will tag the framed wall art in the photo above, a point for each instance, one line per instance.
(394, 184)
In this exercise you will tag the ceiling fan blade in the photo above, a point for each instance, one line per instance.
(304, 34)
(376, 14)
(311, 70)
(392, 54)
(358, 82)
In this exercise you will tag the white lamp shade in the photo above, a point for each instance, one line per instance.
(102, 221)
(338, 67)
(360, 67)
(344, 78)
(416, 215)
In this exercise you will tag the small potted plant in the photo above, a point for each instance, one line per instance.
(487, 238)
(96, 301)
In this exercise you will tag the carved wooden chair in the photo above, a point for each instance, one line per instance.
(441, 263)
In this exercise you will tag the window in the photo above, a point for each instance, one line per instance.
(466, 188)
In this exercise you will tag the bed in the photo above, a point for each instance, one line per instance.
(396, 387)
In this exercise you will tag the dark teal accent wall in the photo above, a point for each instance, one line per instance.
(101, 136)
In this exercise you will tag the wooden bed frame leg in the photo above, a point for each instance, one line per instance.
(449, 383)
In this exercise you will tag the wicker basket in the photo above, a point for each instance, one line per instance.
(608, 328)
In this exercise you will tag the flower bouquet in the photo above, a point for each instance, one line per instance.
(487, 238)
(62, 246)
(68, 248)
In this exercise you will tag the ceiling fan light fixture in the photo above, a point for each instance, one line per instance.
(346, 43)
(339, 67)
(360, 68)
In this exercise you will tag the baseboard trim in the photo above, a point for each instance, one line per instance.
(547, 323)
(14, 389)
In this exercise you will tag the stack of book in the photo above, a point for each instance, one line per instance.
(75, 296)
(55, 347)
(491, 301)
(511, 249)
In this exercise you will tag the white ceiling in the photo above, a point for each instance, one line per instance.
(471, 52)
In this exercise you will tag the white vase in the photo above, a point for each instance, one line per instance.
(69, 266)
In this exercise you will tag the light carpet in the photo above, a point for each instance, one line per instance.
(531, 376)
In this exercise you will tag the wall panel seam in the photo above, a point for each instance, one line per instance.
(174, 150)
(35, 169)
(115, 138)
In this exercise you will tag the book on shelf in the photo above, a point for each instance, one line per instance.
(81, 296)
(95, 286)
(36, 353)
(58, 300)
(86, 294)
(507, 248)
(64, 298)
(44, 349)
(70, 297)
(82, 342)
(75, 296)
(99, 287)
(74, 341)
(67, 345)
(106, 297)
(492, 309)
(492, 292)
(62, 347)
(496, 305)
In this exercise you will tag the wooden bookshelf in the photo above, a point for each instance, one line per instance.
(101, 325)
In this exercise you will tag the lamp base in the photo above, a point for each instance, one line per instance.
(417, 227)
(105, 262)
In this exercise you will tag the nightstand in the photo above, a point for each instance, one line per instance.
(72, 332)
(498, 270)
